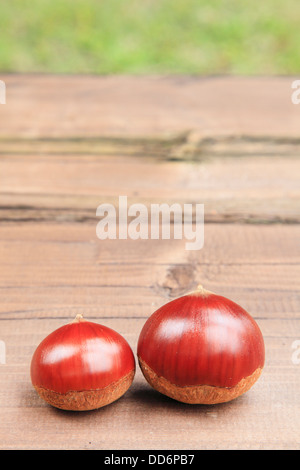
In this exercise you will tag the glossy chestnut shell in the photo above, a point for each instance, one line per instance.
(82, 366)
(201, 348)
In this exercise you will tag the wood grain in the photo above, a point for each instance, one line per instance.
(68, 144)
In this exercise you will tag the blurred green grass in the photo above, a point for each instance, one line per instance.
(148, 36)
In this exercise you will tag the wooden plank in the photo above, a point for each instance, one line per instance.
(62, 269)
(247, 189)
(92, 106)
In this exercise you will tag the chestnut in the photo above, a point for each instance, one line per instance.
(82, 366)
(201, 348)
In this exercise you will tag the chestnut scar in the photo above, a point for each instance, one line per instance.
(198, 394)
(86, 400)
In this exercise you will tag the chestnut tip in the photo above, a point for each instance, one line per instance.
(200, 291)
(79, 318)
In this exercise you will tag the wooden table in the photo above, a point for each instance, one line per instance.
(68, 144)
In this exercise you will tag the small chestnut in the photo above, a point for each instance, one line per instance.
(82, 366)
(201, 348)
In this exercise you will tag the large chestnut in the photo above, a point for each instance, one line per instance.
(201, 348)
(82, 366)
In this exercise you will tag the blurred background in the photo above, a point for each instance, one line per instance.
(147, 36)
